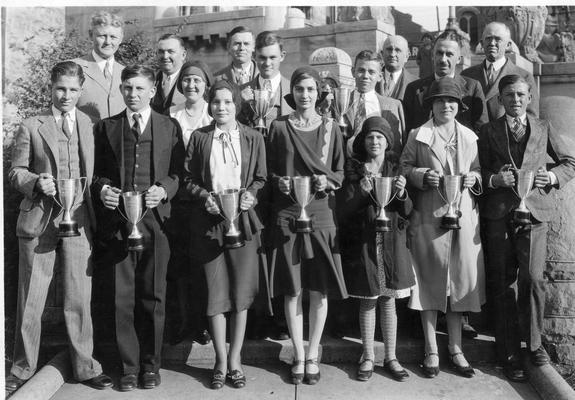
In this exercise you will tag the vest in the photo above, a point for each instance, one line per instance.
(138, 165)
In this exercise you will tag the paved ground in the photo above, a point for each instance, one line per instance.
(269, 381)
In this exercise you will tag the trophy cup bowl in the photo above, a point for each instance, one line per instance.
(70, 193)
(524, 179)
(382, 194)
(229, 203)
(261, 106)
(342, 99)
(301, 187)
(135, 209)
(452, 186)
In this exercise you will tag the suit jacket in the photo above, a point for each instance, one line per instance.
(227, 73)
(416, 114)
(167, 159)
(494, 109)
(99, 98)
(247, 116)
(494, 153)
(398, 91)
(391, 110)
(161, 104)
(35, 151)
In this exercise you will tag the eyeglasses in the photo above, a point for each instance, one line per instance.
(495, 39)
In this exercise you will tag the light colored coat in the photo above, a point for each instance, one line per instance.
(439, 255)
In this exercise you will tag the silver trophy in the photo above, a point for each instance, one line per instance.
(71, 194)
(302, 195)
(261, 106)
(229, 203)
(382, 194)
(135, 209)
(452, 189)
(341, 104)
(524, 179)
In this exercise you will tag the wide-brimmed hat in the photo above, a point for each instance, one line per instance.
(445, 87)
(371, 124)
(296, 77)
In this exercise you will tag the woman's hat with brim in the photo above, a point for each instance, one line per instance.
(296, 77)
(444, 87)
(196, 67)
(372, 124)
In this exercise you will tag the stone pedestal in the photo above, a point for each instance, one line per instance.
(333, 63)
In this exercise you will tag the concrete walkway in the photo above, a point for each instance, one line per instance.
(269, 381)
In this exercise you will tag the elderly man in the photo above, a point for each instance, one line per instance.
(496, 39)
(395, 53)
(171, 56)
(240, 47)
(101, 96)
(446, 55)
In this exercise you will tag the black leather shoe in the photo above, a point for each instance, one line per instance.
(128, 383)
(13, 383)
(150, 380)
(296, 377)
(99, 382)
(218, 380)
(514, 372)
(237, 378)
(310, 378)
(430, 372)
(399, 375)
(539, 357)
(364, 375)
(466, 371)
(203, 337)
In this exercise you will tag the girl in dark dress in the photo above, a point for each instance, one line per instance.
(305, 144)
(221, 156)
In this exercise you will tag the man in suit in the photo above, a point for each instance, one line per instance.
(446, 55)
(240, 47)
(395, 78)
(171, 56)
(137, 150)
(365, 102)
(269, 56)
(101, 97)
(496, 39)
(518, 251)
(57, 144)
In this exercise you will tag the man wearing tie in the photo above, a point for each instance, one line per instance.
(395, 53)
(171, 56)
(57, 144)
(240, 47)
(496, 39)
(137, 150)
(101, 97)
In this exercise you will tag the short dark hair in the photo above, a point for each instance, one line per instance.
(239, 29)
(167, 36)
(427, 35)
(449, 35)
(67, 68)
(368, 55)
(268, 38)
(221, 85)
(132, 71)
(510, 80)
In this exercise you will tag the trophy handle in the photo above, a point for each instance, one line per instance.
(439, 191)
(84, 184)
(514, 170)
(54, 197)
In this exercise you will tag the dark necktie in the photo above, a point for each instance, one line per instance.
(517, 129)
(136, 127)
(66, 126)
(360, 114)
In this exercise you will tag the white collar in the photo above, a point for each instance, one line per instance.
(144, 115)
(58, 114)
(497, 64)
(275, 81)
(522, 118)
(425, 132)
(234, 133)
(367, 95)
(437, 77)
(395, 75)
(102, 61)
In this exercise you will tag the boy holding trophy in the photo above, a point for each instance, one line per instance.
(52, 155)
(139, 157)
(513, 154)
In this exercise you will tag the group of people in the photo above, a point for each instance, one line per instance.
(184, 138)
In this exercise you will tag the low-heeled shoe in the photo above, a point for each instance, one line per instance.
(539, 357)
(514, 372)
(238, 378)
(99, 382)
(151, 380)
(466, 371)
(363, 375)
(399, 375)
(218, 380)
(430, 372)
(296, 377)
(128, 382)
(312, 379)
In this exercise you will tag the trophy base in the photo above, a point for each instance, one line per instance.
(303, 226)
(521, 217)
(233, 242)
(135, 244)
(383, 225)
(448, 222)
(68, 229)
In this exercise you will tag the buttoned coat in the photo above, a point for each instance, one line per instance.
(416, 114)
(494, 107)
(543, 142)
(100, 98)
(439, 254)
(161, 104)
(35, 151)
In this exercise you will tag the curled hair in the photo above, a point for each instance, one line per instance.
(104, 18)
(67, 68)
(449, 35)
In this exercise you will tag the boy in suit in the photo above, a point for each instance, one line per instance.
(138, 150)
(517, 252)
(57, 144)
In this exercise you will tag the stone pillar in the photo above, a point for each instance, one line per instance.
(274, 18)
(559, 329)
(295, 18)
(333, 63)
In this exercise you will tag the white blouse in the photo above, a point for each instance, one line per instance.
(226, 160)
(181, 115)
